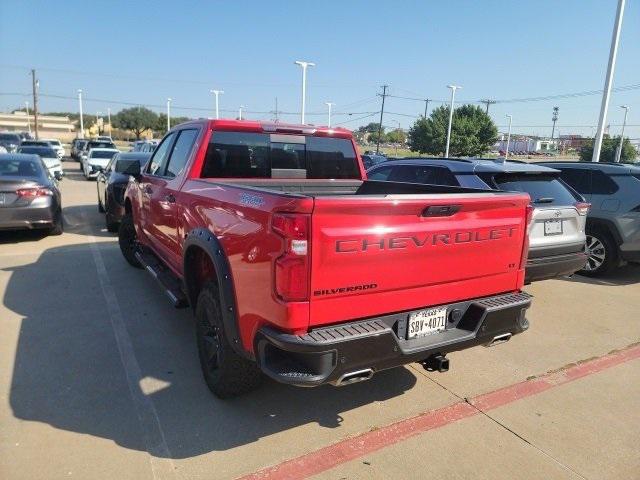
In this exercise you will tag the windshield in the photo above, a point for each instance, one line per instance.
(42, 151)
(20, 168)
(102, 154)
(263, 155)
(543, 189)
(8, 137)
(100, 145)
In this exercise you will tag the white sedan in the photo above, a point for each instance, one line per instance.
(96, 160)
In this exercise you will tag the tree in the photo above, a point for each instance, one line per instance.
(369, 128)
(396, 136)
(608, 151)
(472, 132)
(136, 119)
(161, 124)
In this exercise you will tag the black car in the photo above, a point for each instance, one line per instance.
(371, 159)
(112, 182)
(29, 195)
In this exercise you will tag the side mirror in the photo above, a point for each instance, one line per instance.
(128, 167)
(58, 175)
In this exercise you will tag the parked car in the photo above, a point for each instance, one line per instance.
(10, 141)
(56, 145)
(144, 145)
(48, 155)
(370, 160)
(148, 147)
(613, 223)
(29, 195)
(77, 145)
(96, 160)
(104, 138)
(298, 267)
(95, 144)
(111, 184)
(557, 234)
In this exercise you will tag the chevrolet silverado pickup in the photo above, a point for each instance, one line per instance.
(299, 268)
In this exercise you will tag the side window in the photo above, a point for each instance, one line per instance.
(112, 162)
(237, 155)
(578, 178)
(181, 151)
(380, 174)
(602, 184)
(161, 155)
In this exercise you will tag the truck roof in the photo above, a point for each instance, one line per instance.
(271, 127)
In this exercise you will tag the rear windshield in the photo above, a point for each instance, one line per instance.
(35, 143)
(42, 151)
(263, 155)
(101, 145)
(8, 137)
(20, 168)
(102, 154)
(543, 189)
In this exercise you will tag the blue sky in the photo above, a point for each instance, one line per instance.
(144, 52)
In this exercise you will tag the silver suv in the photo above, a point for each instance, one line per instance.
(557, 232)
(613, 224)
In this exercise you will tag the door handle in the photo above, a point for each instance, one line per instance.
(170, 198)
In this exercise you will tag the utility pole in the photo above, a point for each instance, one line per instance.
(384, 94)
(615, 38)
(276, 112)
(109, 117)
(329, 104)
(26, 104)
(453, 96)
(554, 118)
(426, 106)
(168, 114)
(34, 84)
(624, 124)
(487, 102)
(81, 120)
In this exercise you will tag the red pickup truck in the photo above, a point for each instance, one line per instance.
(300, 268)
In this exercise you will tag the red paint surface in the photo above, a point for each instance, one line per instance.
(366, 443)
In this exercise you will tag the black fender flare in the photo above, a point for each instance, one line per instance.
(207, 241)
(607, 225)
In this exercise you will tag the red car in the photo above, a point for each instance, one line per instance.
(300, 268)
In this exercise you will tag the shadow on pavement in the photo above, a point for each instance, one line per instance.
(68, 373)
(627, 275)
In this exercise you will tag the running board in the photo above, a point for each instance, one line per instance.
(167, 281)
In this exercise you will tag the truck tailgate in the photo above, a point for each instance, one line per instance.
(376, 255)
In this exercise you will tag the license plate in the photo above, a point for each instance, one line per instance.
(553, 227)
(427, 322)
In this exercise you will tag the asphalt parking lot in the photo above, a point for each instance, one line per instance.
(100, 379)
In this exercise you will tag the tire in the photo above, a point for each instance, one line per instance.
(58, 226)
(112, 227)
(128, 241)
(226, 373)
(602, 252)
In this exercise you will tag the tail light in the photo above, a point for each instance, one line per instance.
(527, 231)
(292, 267)
(33, 192)
(583, 208)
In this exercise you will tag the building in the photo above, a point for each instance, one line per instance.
(573, 141)
(527, 144)
(49, 126)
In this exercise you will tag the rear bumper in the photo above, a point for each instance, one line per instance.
(28, 217)
(544, 268)
(325, 355)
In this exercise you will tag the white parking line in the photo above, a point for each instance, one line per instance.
(162, 465)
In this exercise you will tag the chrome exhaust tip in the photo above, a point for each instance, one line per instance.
(498, 339)
(353, 377)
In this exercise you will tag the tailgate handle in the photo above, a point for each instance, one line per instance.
(440, 210)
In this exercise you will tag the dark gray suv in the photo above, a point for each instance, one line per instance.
(613, 223)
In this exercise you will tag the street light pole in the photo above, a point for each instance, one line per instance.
(304, 66)
(615, 38)
(109, 116)
(240, 112)
(26, 104)
(81, 119)
(624, 124)
(453, 96)
(329, 104)
(216, 93)
(554, 119)
(168, 114)
(506, 153)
